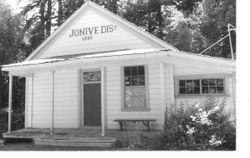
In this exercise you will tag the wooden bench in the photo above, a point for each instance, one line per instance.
(146, 122)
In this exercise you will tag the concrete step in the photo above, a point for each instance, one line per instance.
(75, 142)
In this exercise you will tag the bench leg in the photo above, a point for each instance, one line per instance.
(121, 125)
(147, 124)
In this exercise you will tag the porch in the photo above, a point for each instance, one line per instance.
(82, 137)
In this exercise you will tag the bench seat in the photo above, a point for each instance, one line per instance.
(146, 122)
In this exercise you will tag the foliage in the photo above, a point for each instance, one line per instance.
(11, 51)
(199, 127)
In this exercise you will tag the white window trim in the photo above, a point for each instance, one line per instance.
(200, 77)
(131, 109)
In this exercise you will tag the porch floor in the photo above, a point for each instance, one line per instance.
(74, 137)
(73, 133)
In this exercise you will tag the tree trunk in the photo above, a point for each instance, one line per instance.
(48, 18)
(160, 19)
(60, 13)
(42, 18)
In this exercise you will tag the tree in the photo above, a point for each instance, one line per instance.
(214, 21)
(11, 45)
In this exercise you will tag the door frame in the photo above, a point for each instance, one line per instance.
(82, 92)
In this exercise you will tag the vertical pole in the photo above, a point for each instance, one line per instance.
(163, 89)
(230, 41)
(52, 102)
(32, 102)
(103, 100)
(171, 82)
(10, 102)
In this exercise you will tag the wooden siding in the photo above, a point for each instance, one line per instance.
(67, 97)
(195, 72)
(114, 104)
(122, 38)
(66, 113)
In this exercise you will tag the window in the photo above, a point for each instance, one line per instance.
(93, 76)
(201, 86)
(134, 87)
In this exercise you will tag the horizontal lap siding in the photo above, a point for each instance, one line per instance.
(65, 101)
(191, 70)
(122, 38)
(41, 100)
(113, 88)
(66, 105)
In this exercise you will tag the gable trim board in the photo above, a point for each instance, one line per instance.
(163, 65)
(134, 28)
(168, 56)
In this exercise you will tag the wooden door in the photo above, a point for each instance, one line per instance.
(92, 104)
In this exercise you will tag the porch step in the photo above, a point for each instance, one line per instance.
(75, 142)
(1, 142)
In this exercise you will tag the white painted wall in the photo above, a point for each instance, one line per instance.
(41, 100)
(66, 113)
(66, 103)
(66, 94)
(122, 38)
(114, 97)
(195, 71)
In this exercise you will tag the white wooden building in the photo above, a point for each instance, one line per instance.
(97, 67)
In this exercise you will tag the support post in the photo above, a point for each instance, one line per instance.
(103, 101)
(230, 41)
(163, 89)
(10, 102)
(52, 102)
(32, 100)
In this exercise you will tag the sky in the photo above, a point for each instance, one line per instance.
(15, 5)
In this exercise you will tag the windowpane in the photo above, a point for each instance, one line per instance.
(189, 90)
(182, 91)
(140, 70)
(219, 82)
(220, 90)
(196, 90)
(212, 90)
(204, 90)
(92, 76)
(204, 82)
(196, 83)
(211, 82)
(134, 81)
(128, 81)
(135, 96)
(182, 83)
(127, 71)
(141, 80)
(134, 71)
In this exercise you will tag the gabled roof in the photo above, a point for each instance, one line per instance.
(108, 13)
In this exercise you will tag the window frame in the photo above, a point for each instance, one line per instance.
(200, 78)
(134, 109)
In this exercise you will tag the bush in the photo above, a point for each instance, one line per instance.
(199, 127)
(17, 120)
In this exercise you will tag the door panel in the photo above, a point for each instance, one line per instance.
(92, 104)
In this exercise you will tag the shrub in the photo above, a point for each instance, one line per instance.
(199, 127)
(17, 120)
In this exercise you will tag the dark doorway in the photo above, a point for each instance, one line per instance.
(92, 104)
